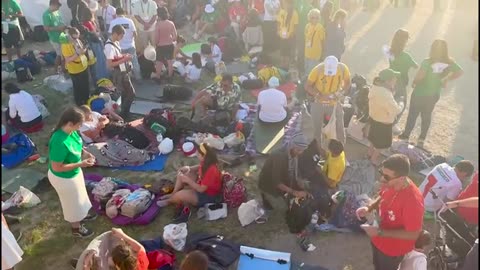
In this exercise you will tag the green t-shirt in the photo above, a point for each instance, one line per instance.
(432, 82)
(403, 63)
(210, 17)
(11, 7)
(53, 19)
(67, 149)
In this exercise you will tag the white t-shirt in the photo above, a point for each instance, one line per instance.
(414, 260)
(112, 53)
(444, 182)
(145, 11)
(127, 41)
(107, 13)
(216, 51)
(271, 9)
(193, 73)
(273, 103)
(23, 105)
(90, 125)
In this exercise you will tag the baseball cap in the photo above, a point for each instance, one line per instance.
(331, 65)
(388, 74)
(273, 82)
(209, 8)
(189, 150)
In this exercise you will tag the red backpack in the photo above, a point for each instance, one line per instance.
(160, 259)
(234, 191)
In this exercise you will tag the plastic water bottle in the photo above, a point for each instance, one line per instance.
(313, 222)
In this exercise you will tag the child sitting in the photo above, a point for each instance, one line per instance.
(190, 71)
(91, 128)
(216, 51)
(335, 162)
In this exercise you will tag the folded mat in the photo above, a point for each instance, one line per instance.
(156, 165)
(254, 258)
(287, 88)
(268, 137)
(147, 217)
(12, 179)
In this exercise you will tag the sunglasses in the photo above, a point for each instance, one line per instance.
(385, 176)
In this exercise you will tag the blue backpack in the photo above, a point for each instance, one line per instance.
(17, 149)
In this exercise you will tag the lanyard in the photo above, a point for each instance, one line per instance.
(313, 36)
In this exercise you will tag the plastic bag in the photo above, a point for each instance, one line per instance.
(24, 198)
(355, 129)
(215, 142)
(59, 83)
(234, 139)
(249, 212)
(175, 235)
(330, 130)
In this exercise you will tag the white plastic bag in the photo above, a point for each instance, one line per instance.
(355, 129)
(23, 197)
(215, 214)
(59, 83)
(175, 235)
(330, 130)
(249, 212)
(234, 139)
(215, 142)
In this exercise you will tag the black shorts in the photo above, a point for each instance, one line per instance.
(12, 38)
(165, 53)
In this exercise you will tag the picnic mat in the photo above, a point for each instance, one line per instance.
(12, 179)
(263, 259)
(268, 137)
(287, 88)
(189, 49)
(156, 165)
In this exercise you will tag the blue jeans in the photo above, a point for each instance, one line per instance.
(136, 67)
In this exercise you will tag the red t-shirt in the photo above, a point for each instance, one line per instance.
(89, 25)
(469, 214)
(142, 260)
(212, 179)
(399, 210)
(238, 11)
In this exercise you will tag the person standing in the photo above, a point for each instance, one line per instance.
(127, 43)
(287, 22)
(12, 36)
(53, 24)
(145, 12)
(324, 83)
(165, 37)
(303, 8)
(269, 26)
(107, 13)
(76, 63)
(434, 75)
(67, 158)
(314, 38)
(383, 109)
(335, 37)
(119, 64)
(400, 214)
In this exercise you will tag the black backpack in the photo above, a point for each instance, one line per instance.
(298, 214)
(127, 133)
(39, 34)
(23, 73)
(35, 67)
(220, 251)
(176, 92)
(147, 67)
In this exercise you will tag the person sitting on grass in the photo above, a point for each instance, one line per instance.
(190, 71)
(272, 103)
(195, 260)
(198, 185)
(22, 112)
(91, 128)
(207, 21)
(416, 259)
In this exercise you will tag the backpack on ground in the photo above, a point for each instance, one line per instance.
(39, 34)
(219, 250)
(161, 259)
(16, 150)
(298, 214)
(104, 189)
(234, 191)
(22, 72)
(165, 118)
(137, 203)
(176, 92)
(147, 67)
(35, 66)
(252, 84)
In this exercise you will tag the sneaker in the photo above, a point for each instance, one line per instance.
(184, 216)
(90, 217)
(73, 263)
(82, 232)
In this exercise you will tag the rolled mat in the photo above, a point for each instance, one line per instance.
(268, 137)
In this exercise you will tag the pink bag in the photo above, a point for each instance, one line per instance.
(234, 191)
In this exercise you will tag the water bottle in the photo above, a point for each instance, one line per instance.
(313, 222)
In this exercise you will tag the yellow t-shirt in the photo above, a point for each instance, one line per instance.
(78, 65)
(327, 85)
(334, 168)
(266, 73)
(285, 30)
(314, 37)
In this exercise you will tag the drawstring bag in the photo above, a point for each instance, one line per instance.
(175, 235)
(330, 130)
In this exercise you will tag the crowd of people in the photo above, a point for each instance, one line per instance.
(107, 40)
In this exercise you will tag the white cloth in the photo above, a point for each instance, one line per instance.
(273, 103)
(107, 13)
(414, 260)
(11, 251)
(112, 53)
(217, 53)
(382, 105)
(23, 105)
(193, 73)
(272, 7)
(73, 196)
(89, 125)
(145, 11)
(444, 182)
(127, 41)
(93, 5)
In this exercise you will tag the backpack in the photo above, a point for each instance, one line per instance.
(39, 34)
(161, 259)
(104, 189)
(147, 67)
(22, 72)
(234, 191)
(16, 150)
(34, 64)
(220, 251)
(252, 84)
(137, 202)
(298, 214)
(176, 92)
(165, 118)
(135, 137)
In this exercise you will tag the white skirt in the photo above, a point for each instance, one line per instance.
(11, 251)
(73, 196)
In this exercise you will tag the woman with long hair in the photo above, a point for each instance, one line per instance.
(197, 185)
(165, 36)
(434, 75)
(22, 112)
(287, 21)
(67, 158)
